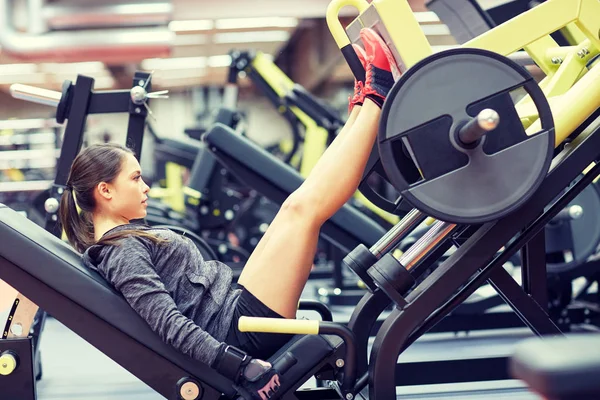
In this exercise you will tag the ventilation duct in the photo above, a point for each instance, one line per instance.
(117, 45)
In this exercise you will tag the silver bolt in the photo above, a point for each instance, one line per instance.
(586, 311)
(51, 205)
(204, 210)
(488, 119)
(556, 60)
(54, 217)
(60, 190)
(575, 212)
(586, 321)
(339, 363)
(141, 82)
(583, 52)
(229, 215)
(16, 329)
(138, 110)
(222, 249)
(349, 396)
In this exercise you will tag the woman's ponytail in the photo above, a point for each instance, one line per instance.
(76, 228)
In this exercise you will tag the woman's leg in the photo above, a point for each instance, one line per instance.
(279, 267)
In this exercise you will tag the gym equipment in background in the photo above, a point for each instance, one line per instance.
(559, 368)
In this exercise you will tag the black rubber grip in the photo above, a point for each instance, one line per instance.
(353, 62)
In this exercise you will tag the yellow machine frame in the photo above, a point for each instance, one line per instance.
(572, 89)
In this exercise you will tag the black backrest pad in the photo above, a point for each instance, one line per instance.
(53, 262)
(48, 259)
(348, 221)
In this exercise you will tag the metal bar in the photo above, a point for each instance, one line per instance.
(533, 269)
(397, 233)
(35, 95)
(109, 102)
(137, 123)
(532, 313)
(363, 322)
(434, 236)
(486, 121)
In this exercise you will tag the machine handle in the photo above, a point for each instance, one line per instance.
(341, 38)
(333, 22)
(35, 95)
(276, 325)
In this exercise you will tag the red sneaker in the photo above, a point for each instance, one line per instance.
(381, 66)
(358, 97)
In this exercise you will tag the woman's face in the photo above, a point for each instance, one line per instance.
(130, 191)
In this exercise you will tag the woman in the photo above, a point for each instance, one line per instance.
(190, 302)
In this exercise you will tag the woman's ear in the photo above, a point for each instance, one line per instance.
(103, 190)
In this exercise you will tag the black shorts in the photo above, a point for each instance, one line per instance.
(258, 345)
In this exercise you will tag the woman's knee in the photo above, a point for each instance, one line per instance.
(301, 206)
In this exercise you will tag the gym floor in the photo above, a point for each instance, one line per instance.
(73, 369)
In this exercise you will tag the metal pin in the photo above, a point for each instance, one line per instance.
(486, 121)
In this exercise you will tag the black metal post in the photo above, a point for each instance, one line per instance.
(533, 269)
(72, 141)
(137, 115)
(523, 305)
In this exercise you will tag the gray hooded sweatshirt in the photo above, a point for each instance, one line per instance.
(186, 300)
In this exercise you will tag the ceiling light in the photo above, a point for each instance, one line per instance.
(435, 30)
(168, 75)
(25, 78)
(191, 40)
(151, 64)
(10, 69)
(192, 25)
(251, 37)
(91, 67)
(219, 61)
(262, 22)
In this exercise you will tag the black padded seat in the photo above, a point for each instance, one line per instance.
(560, 368)
(28, 247)
(276, 180)
(179, 151)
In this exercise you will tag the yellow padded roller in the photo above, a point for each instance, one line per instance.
(277, 325)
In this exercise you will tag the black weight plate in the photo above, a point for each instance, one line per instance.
(580, 237)
(421, 116)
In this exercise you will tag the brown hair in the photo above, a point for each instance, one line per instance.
(97, 163)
